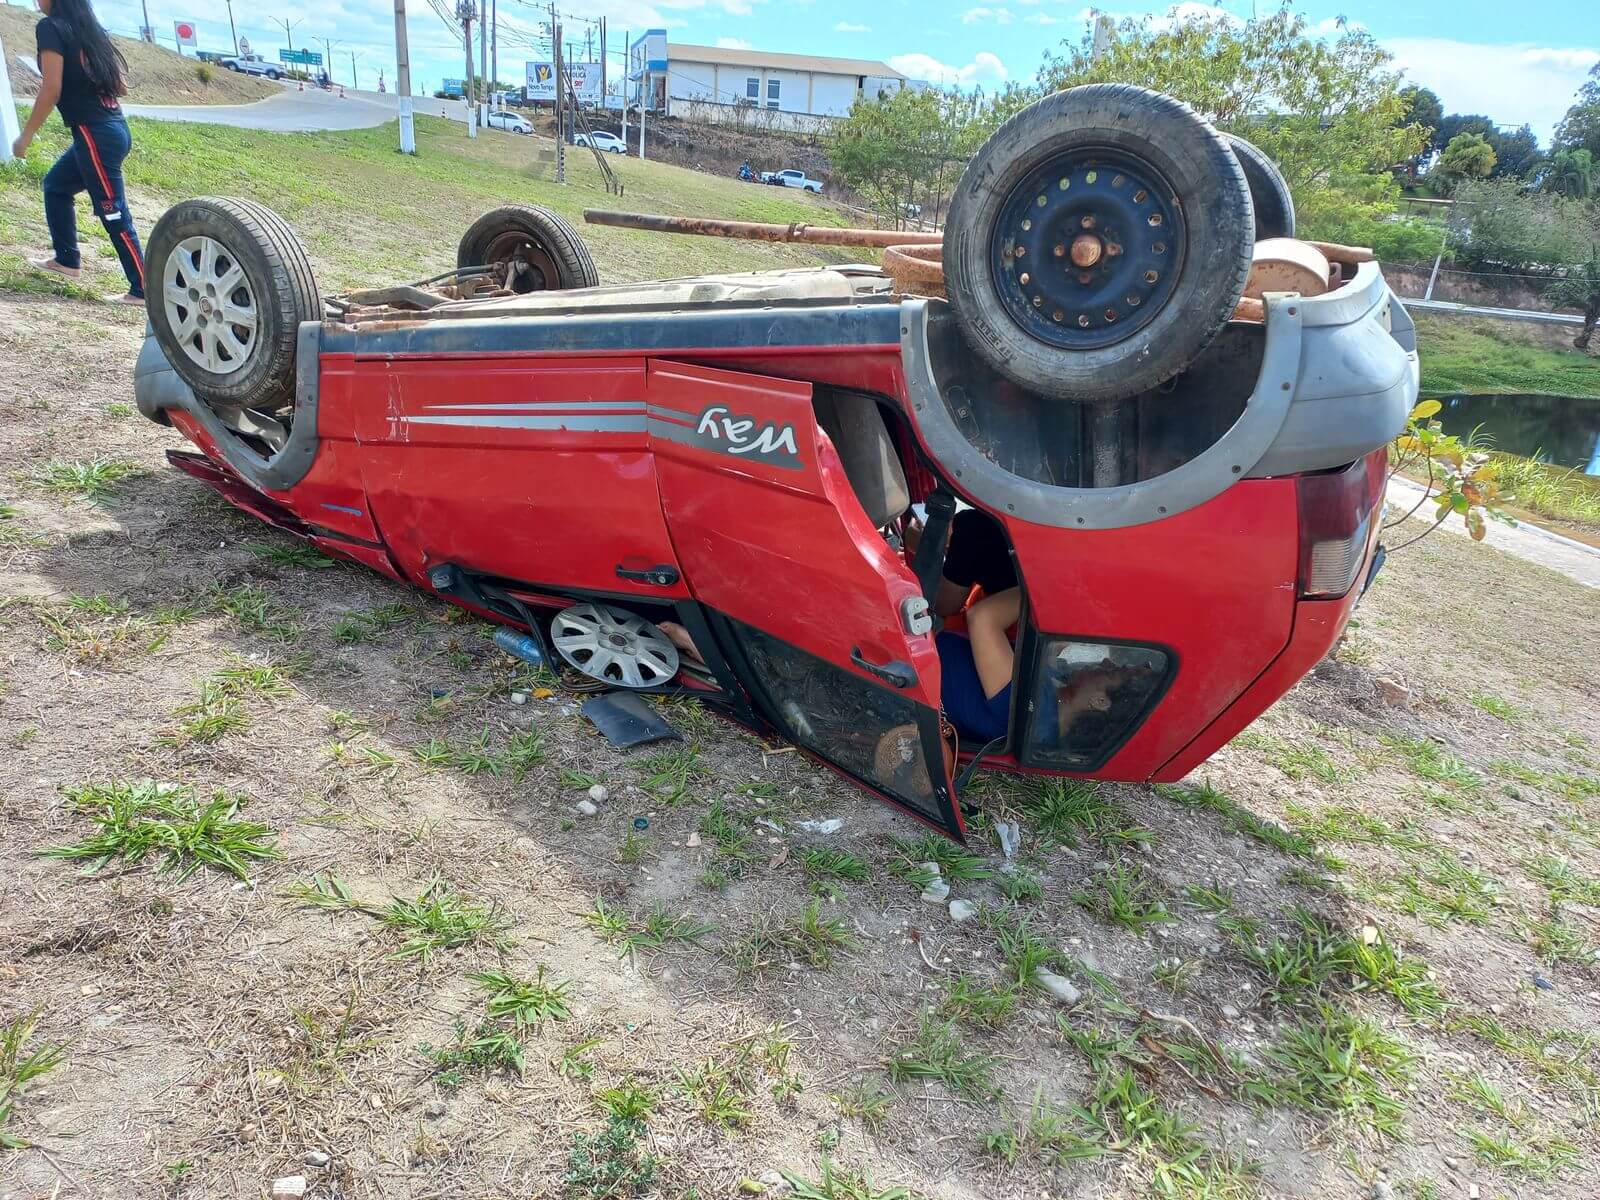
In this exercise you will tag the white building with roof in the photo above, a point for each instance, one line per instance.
(756, 87)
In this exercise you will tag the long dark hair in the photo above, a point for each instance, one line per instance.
(102, 61)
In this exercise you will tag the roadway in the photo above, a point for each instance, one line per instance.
(310, 111)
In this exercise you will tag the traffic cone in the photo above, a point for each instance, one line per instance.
(302, 85)
(341, 91)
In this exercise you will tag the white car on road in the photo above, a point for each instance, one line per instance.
(792, 178)
(509, 121)
(602, 140)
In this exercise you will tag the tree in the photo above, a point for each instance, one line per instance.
(1579, 288)
(1468, 156)
(1422, 108)
(1580, 128)
(902, 148)
(1495, 224)
(1516, 154)
(1572, 173)
(1453, 124)
(1329, 112)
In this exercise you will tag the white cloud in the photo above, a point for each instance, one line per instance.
(733, 43)
(1043, 19)
(985, 67)
(1512, 85)
(1332, 27)
(850, 27)
(996, 16)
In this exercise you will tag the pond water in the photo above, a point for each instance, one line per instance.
(1553, 429)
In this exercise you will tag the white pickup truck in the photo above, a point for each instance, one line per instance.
(253, 64)
(792, 178)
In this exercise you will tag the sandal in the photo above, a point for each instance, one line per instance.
(55, 268)
(127, 298)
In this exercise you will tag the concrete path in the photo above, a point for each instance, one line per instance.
(309, 111)
(1573, 559)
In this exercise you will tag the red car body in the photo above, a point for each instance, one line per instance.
(515, 459)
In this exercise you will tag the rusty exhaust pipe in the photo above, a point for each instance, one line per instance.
(813, 235)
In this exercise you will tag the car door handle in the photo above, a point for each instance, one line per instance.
(896, 674)
(658, 576)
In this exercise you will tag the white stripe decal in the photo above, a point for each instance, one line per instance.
(544, 406)
(623, 423)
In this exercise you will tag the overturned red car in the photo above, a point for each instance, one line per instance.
(1186, 489)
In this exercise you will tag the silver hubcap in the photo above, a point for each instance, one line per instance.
(614, 646)
(210, 306)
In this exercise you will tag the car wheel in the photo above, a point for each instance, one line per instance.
(1097, 242)
(229, 286)
(1269, 192)
(273, 75)
(529, 249)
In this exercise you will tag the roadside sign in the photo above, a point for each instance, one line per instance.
(185, 31)
(454, 87)
(584, 78)
(244, 46)
(305, 58)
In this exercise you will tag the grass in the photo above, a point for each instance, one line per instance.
(936, 1053)
(1320, 958)
(1160, 1143)
(20, 1067)
(1562, 1057)
(1466, 356)
(439, 918)
(1427, 760)
(809, 937)
(520, 752)
(1562, 882)
(477, 1049)
(1563, 493)
(1125, 896)
(1541, 1157)
(144, 818)
(1241, 819)
(526, 1003)
(629, 1102)
(92, 479)
(1336, 1061)
(842, 1183)
(821, 863)
(291, 554)
(866, 1102)
(1557, 943)
(650, 932)
(953, 862)
(1070, 811)
(669, 774)
(715, 1093)
(980, 1002)
(1048, 1132)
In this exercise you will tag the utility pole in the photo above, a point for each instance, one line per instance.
(627, 72)
(602, 66)
(465, 12)
(288, 29)
(148, 33)
(483, 58)
(561, 96)
(355, 80)
(494, 40)
(233, 29)
(402, 62)
(327, 56)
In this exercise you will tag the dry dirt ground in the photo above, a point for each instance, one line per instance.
(1354, 956)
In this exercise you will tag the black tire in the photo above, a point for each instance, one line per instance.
(274, 76)
(279, 278)
(1269, 192)
(1170, 230)
(550, 254)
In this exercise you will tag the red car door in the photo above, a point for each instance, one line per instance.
(816, 612)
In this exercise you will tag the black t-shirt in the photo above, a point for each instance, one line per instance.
(81, 102)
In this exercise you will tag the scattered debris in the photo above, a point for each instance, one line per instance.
(316, 1158)
(1058, 986)
(694, 840)
(1393, 692)
(962, 910)
(290, 1187)
(1010, 835)
(1230, 1013)
(626, 720)
(1543, 984)
(936, 892)
(599, 793)
(1382, 1190)
(831, 825)
(587, 808)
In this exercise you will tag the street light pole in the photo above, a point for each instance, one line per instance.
(402, 63)
(233, 29)
(288, 29)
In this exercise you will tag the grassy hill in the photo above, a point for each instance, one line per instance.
(156, 76)
(1485, 357)
(368, 214)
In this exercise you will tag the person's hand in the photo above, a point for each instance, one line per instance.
(19, 148)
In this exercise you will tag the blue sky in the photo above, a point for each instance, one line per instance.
(1517, 62)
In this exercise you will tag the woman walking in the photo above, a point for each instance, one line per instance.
(84, 76)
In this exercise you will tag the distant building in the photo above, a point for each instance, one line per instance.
(755, 87)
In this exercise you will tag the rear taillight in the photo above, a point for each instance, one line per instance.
(1337, 509)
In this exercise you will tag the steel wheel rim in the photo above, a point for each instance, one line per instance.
(521, 265)
(1088, 248)
(614, 646)
(210, 305)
